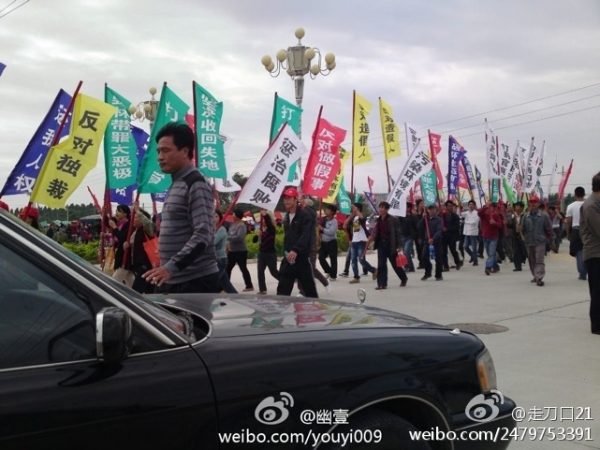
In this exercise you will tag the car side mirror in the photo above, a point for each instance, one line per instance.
(362, 295)
(113, 335)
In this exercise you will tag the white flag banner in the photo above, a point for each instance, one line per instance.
(505, 160)
(531, 176)
(269, 177)
(523, 153)
(412, 140)
(491, 153)
(418, 164)
(515, 169)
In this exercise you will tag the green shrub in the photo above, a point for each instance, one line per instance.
(88, 251)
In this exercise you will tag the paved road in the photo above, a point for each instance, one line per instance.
(547, 357)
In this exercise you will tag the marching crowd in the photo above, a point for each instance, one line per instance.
(197, 253)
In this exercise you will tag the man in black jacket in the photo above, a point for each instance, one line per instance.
(387, 237)
(430, 232)
(450, 235)
(299, 232)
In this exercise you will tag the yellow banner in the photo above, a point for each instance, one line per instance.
(334, 189)
(69, 162)
(360, 128)
(389, 131)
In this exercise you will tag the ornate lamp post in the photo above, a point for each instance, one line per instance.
(145, 110)
(296, 61)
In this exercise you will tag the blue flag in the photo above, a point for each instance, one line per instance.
(125, 195)
(456, 152)
(23, 176)
(2, 67)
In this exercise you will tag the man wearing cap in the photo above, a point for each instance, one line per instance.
(299, 232)
(537, 229)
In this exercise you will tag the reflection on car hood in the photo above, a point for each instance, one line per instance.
(232, 314)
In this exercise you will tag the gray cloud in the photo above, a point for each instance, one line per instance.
(432, 61)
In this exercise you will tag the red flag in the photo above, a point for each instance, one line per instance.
(462, 178)
(435, 148)
(563, 182)
(95, 200)
(324, 160)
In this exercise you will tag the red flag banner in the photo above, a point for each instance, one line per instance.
(463, 183)
(436, 147)
(324, 160)
(563, 182)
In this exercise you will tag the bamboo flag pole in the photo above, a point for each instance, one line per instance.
(353, 144)
(385, 153)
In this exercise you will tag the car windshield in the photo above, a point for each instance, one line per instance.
(174, 322)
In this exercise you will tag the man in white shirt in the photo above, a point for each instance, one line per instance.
(572, 229)
(471, 231)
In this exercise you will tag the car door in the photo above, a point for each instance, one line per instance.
(55, 394)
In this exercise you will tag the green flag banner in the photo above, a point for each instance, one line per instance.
(343, 199)
(171, 108)
(211, 154)
(120, 159)
(510, 194)
(429, 188)
(495, 190)
(286, 112)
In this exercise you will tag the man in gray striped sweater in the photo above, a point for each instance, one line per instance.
(186, 242)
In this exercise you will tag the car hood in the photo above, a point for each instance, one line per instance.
(237, 315)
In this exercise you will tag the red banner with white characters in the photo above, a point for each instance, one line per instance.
(324, 160)
(463, 183)
(436, 148)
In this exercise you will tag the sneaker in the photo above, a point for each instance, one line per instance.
(248, 289)
(344, 274)
(517, 270)
(475, 264)
(440, 278)
(354, 280)
(403, 283)
(299, 295)
(262, 292)
(425, 277)
(379, 288)
(375, 275)
(459, 265)
(540, 283)
(487, 271)
(583, 278)
(533, 280)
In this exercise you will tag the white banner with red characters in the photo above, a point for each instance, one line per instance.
(324, 160)
(269, 177)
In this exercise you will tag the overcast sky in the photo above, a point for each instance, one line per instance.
(434, 62)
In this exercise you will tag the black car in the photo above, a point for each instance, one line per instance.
(86, 363)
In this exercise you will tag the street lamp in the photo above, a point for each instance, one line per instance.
(296, 61)
(145, 110)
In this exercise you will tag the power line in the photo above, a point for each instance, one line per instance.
(536, 120)
(7, 6)
(524, 113)
(515, 105)
(20, 5)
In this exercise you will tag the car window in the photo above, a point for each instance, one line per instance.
(41, 320)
